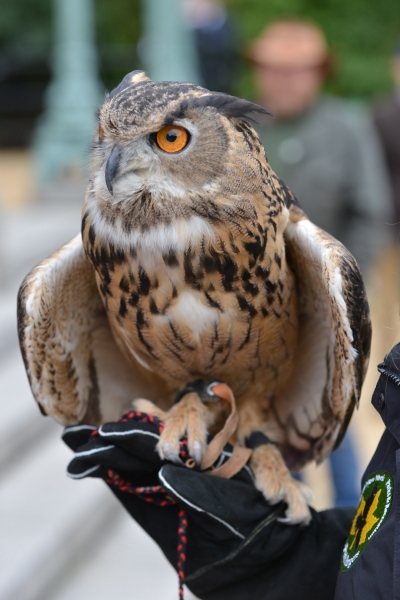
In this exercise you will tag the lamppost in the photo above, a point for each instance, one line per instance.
(169, 53)
(63, 134)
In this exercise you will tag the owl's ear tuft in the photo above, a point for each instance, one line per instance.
(230, 106)
(130, 79)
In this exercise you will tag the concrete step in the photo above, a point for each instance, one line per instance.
(62, 538)
(46, 520)
(8, 319)
(125, 566)
(28, 237)
(21, 426)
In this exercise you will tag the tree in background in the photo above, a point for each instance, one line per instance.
(361, 34)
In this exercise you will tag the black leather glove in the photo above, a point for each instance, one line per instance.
(230, 542)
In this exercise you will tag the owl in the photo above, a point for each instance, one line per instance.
(196, 261)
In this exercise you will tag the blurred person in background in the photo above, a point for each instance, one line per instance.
(329, 155)
(326, 151)
(215, 41)
(387, 120)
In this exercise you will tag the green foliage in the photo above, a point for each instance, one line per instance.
(25, 22)
(118, 30)
(118, 22)
(361, 35)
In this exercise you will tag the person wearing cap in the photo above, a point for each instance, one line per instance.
(329, 156)
(387, 120)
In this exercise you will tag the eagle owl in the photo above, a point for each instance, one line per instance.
(196, 261)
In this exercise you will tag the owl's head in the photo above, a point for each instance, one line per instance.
(173, 141)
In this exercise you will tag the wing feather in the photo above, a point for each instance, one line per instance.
(75, 369)
(335, 335)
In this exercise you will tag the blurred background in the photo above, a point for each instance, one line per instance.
(330, 72)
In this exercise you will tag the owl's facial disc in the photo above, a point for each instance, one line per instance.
(142, 157)
(133, 158)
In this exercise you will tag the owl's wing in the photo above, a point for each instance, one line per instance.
(334, 335)
(75, 369)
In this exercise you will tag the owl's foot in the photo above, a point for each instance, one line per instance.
(188, 416)
(273, 479)
(148, 407)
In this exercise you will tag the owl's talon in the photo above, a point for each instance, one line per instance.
(197, 452)
(167, 452)
(305, 490)
(148, 407)
(189, 416)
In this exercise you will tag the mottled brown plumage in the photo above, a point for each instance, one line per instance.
(206, 267)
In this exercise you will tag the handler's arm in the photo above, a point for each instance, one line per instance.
(234, 546)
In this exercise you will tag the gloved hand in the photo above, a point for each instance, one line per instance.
(230, 543)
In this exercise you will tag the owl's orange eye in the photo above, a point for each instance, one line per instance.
(172, 138)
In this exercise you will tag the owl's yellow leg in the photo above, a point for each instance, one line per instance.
(148, 407)
(273, 479)
(272, 476)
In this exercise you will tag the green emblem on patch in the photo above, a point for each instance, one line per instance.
(374, 507)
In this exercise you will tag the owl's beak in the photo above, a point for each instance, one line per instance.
(112, 168)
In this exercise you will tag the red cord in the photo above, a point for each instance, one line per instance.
(156, 494)
(182, 543)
